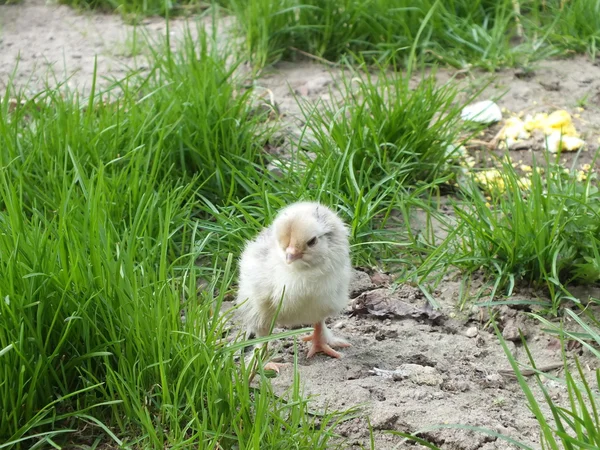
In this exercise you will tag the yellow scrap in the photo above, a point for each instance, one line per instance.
(557, 127)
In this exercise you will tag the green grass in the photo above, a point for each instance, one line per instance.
(543, 231)
(463, 34)
(459, 33)
(99, 243)
(387, 128)
(575, 25)
(114, 209)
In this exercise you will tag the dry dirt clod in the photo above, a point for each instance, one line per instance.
(511, 332)
(385, 420)
(471, 332)
(359, 283)
(456, 385)
(420, 375)
(506, 312)
(423, 375)
(380, 279)
(385, 304)
(550, 85)
(524, 74)
(385, 334)
(495, 380)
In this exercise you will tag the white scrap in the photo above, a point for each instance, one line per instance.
(482, 112)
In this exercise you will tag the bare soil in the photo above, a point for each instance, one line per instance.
(415, 367)
(410, 367)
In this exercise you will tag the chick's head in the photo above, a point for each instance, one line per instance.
(309, 235)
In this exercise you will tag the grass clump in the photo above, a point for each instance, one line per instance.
(102, 323)
(210, 127)
(576, 424)
(542, 230)
(573, 26)
(459, 33)
(384, 127)
(384, 139)
(383, 146)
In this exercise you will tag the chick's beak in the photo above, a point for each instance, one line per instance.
(291, 255)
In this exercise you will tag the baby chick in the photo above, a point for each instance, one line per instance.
(303, 261)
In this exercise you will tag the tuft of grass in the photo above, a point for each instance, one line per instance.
(102, 323)
(385, 142)
(387, 130)
(577, 424)
(572, 26)
(459, 32)
(543, 230)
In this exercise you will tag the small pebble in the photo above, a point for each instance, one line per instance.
(511, 333)
(339, 325)
(471, 332)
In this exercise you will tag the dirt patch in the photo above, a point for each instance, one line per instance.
(572, 85)
(411, 366)
(44, 43)
(416, 370)
(47, 44)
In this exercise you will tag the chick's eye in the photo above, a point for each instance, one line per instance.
(312, 242)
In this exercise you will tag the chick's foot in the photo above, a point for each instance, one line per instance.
(322, 348)
(323, 341)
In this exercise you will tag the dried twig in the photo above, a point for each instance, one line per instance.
(492, 144)
(528, 372)
(318, 58)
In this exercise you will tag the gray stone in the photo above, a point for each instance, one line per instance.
(359, 283)
(471, 332)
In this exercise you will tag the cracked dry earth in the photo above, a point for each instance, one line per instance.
(409, 366)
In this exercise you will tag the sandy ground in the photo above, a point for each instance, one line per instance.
(416, 367)
(43, 43)
(409, 369)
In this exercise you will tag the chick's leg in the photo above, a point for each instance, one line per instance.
(323, 341)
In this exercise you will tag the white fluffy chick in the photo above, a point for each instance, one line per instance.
(303, 261)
